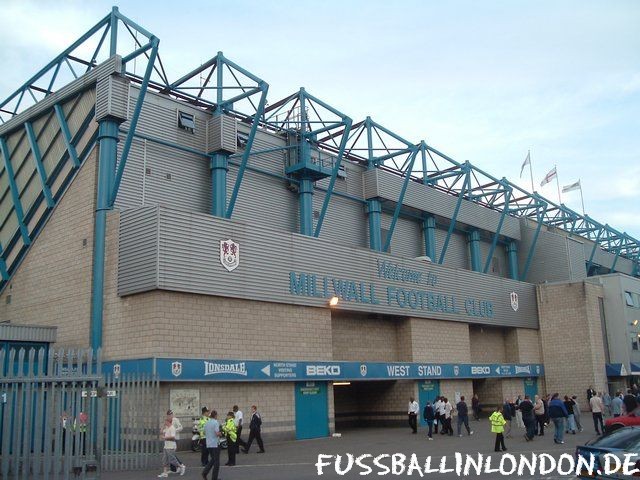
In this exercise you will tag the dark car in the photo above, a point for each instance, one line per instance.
(630, 420)
(625, 440)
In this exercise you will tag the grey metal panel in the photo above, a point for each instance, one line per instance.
(111, 97)
(138, 250)
(407, 237)
(130, 193)
(606, 259)
(189, 262)
(345, 221)
(113, 64)
(272, 162)
(498, 265)
(27, 333)
(550, 261)
(428, 199)
(222, 133)
(457, 255)
(577, 264)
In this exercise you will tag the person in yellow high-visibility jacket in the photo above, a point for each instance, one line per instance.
(497, 426)
(229, 429)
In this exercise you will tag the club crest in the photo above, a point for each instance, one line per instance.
(363, 370)
(116, 370)
(229, 254)
(176, 369)
(456, 370)
(514, 301)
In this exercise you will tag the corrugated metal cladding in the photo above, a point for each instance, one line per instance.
(577, 264)
(27, 333)
(606, 259)
(138, 250)
(386, 185)
(188, 249)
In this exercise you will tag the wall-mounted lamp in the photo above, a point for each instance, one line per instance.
(333, 301)
(634, 323)
(338, 384)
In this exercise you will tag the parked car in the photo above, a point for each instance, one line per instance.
(630, 420)
(625, 440)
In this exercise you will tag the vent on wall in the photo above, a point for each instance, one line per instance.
(186, 121)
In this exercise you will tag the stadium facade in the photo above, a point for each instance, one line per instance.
(280, 254)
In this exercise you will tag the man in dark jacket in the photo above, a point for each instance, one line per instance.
(557, 413)
(254, 430)
(463, 416)
(429, 416)
(528, 418)
(506, 413)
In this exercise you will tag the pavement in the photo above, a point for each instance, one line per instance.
(296, 460)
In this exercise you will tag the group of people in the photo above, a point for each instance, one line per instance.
(533, 415)
(211, 431)
(439, 413)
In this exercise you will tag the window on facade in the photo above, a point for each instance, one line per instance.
(242, 139)
(634, 343)
(628, 296)
(186, 121)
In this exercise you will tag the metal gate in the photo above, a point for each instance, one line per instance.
(60, 416)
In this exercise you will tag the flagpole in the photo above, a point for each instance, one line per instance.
(558, 184)
(530, 169)
(581, 198)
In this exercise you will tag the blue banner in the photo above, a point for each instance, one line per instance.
(189, 369)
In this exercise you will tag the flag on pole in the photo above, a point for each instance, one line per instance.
(572, 187)
(527, 161)
(549, 176)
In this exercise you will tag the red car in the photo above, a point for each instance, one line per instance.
(630, 420)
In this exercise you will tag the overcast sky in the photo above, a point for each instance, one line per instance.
(483, 81)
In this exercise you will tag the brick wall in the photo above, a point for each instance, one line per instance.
(359, 338)
(425, 340)
(571, 337)
(487, 344)
(52, 286)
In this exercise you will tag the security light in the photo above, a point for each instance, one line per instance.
(337, 384)
(634, 323)
(333, 301)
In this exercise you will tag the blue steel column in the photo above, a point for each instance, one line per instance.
(219, 169)
(429, 232)
(374, 209)
(512, 256)
(108, 138)
(306, 206)
(474, 250)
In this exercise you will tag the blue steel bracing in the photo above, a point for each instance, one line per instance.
(525, 270)
(505, 211)
(400, 200)
(153, 45)
(66, 136)
(454, 217)
(15, 194)
(3, 266)
(37, 158)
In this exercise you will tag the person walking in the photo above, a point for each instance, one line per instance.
(519, 421)
(229, 429)
(497, 426)
(413, 410)
(571, 420)
(169, 452)
(528, 418)
(437, 407)
(576, 412)
(238, 419)
(463, 416)
(475, 406)
(557, 414)
(606, 401)
(204, 452)
(506, 413)
(617, 404)
(596, 412)
(212, 435)
(429, 416)
(539, 412)
(448, 409)
(255, 425)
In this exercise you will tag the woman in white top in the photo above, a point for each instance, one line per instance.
(169, 452)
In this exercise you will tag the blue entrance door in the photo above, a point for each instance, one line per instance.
(312, 410)
(531, 387)
(428, 390)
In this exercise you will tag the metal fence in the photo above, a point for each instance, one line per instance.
(60, 416)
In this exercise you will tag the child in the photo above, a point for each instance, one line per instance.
(497, 426)
(169, 453)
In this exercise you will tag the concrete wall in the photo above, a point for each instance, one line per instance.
(52, 286)
(357, 337)
(572, 342)
(425, 340)
(487, 344)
